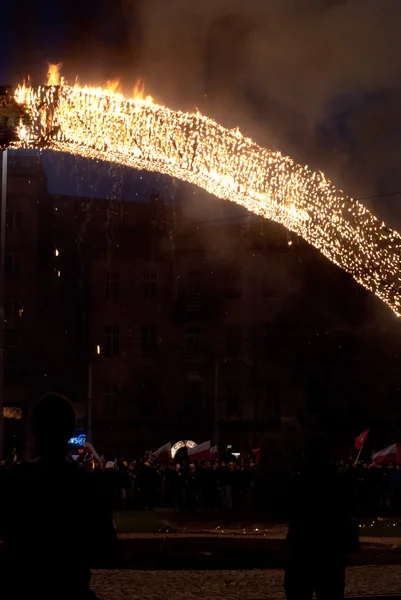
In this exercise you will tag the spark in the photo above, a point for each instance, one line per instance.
(101, 124)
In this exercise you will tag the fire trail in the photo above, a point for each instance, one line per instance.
(101, 124)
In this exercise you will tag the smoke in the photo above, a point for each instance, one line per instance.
(279, 69)
(298, 53)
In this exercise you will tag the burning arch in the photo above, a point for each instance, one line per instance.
(100, 124)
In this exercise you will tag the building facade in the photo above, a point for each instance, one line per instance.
(40, 353)
(220, 330)
(161, 327)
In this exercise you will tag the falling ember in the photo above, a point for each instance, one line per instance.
(53, 76)
(101, 124)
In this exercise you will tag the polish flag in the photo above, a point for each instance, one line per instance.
(200, 452)
(361, 439)
(163, 453)
(213, 452)
(391, 454)
(89, 449)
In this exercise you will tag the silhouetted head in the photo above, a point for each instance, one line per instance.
(316, 450)
(53, 425)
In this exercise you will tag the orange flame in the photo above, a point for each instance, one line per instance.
(113, 86)
(53, 75)
(139, 92)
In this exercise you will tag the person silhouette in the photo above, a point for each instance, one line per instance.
(318, 534)
(54, 520)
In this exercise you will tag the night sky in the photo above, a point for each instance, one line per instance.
(317, 79)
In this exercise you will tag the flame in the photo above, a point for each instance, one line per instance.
(53, 75)
(101, 124)
(21, 93)
(113, 86)
(139, 92)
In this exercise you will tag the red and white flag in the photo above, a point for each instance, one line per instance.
(163, 453)
(361, 439)
(89, 449)
(391, 454)
(200, 452)
(213, 451)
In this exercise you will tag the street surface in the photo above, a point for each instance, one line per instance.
(229, 585)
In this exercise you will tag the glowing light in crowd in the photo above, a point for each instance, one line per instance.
(101, 124)
(78, 440)
(182, 444)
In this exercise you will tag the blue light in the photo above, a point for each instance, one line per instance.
(78, 440)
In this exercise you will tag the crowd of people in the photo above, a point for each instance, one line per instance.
(375, 489)
(144, 485)
(40, 533)
(229, 484)
(184, 488)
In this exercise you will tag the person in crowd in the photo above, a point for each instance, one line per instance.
(111, 484)
(191, 489)
(63, 526)
(224, 478)
(317, 544)
(177, 486)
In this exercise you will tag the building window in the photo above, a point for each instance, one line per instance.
(111, 399)
(13, 313)
(268, 403)
(232, 282)
(194, 284)
(233, 340)
(149, 397)
(269, 340)
(112, 341)
(14, 220)
(194, 336)
(149, 341)
(193, 398)
(232, 399)
(150, 284)
(113, 287)
(13, 264)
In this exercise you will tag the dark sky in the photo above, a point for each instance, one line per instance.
(317, 79)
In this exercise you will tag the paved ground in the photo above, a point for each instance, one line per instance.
(229, 585)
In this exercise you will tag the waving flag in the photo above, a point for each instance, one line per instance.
(163, 453)
(361, 439)
(391, 454)
(200, 452)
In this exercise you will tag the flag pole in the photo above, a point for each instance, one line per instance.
(357, 458)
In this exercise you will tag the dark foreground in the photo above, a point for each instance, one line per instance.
(174, 552)
(362, 582)
(161, 541)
